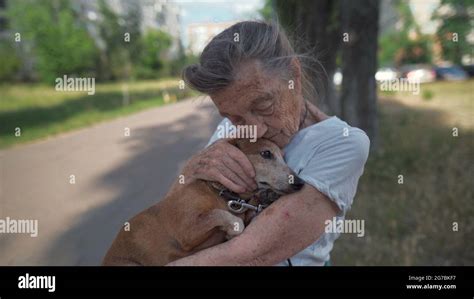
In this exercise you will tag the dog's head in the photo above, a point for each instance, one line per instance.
(274, 178)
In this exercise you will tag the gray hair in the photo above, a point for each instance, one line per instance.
(246, 41)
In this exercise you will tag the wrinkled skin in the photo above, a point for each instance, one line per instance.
(254, 98)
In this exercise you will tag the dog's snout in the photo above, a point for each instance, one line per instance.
(297, 183)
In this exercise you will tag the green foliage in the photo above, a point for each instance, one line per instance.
(45, 112)
(115, 59)
(389, 44)
(460, 21)
(397, 49)
(109, 48)
(267, 10)
(128, 53)
(10, 61)
(60, 39)
(131, 25)
(395, 46)
(427, 94)
(154, 43)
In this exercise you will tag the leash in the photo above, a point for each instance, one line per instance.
(237, 205)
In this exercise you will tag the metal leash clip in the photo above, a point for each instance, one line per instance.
(240, 206)
(236, 206)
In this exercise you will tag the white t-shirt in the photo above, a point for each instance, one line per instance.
(330, 156)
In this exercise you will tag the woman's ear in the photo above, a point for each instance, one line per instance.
(296, 74)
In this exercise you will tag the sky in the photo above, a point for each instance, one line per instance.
(216, 11)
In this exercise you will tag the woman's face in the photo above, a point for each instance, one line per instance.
(268, 102)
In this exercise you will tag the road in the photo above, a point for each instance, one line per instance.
(116, 176)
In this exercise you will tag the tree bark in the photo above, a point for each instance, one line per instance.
(316, 22)
(322, 23)
(359, 63)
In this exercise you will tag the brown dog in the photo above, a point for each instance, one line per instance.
(202, 214)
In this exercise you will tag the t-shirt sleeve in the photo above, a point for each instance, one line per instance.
(336, 166)
(219, 132)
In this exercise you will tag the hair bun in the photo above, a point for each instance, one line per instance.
(191, 71)
(190, 74)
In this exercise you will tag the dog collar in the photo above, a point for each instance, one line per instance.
(235, 204)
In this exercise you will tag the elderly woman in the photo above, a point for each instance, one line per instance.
(254, 77)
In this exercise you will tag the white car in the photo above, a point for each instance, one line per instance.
(386, 74)
(418, 73)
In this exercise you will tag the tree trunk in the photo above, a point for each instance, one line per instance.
(325, 37)
(316, 22)
(359, 63)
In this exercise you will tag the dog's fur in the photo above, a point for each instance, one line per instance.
(193, 217)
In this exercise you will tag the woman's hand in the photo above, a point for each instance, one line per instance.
(224, 163)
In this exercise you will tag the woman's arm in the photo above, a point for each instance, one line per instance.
(285, 228)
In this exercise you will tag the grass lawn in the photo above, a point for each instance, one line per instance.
(41, 111)
(412, 223)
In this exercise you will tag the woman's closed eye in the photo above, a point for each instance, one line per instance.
(266, 109)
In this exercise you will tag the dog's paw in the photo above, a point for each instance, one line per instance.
(235, 228)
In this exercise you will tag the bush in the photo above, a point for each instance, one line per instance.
(427, 95)
(151, 63)
(10, 61)
(61, 42)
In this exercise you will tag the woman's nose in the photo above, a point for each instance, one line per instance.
(258, 125)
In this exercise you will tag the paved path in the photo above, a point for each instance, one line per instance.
(116, 177)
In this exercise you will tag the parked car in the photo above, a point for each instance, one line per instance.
(418, 73)
(469, 69)
(387, 74)
(450, 73)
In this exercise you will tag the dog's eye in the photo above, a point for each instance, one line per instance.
(266, 154)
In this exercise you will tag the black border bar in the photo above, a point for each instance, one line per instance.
(221, 282)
